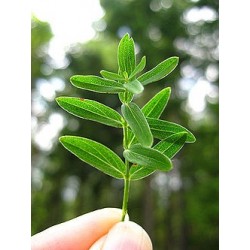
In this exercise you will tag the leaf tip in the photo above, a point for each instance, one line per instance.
(125, 37)
(190, 138)
(167, 90)
(171, 166)
(176, 58)
(58, 99)
(193, 139)
(72, 78)
(62, 139)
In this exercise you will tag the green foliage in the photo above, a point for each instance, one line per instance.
(140, 67)
(160, 71)
(172, 144)
(126, 55)
(111, 75)
(97, 84)
(147, 157)
(154, 107)
(126, 96)
(162, 129)
(139, 172)
(140, 125)
(95, 154)
(91, 110)
(135, 87)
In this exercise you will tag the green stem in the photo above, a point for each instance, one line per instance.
(126, 193)
(126, 179)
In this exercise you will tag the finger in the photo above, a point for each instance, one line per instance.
(79, 233)
(99, 243)
(127, 235)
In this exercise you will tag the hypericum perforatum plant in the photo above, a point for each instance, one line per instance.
(140, 125)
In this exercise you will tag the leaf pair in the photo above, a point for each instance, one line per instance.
(162, 129)
(173, 138)
(152, 110)
(127, 59)
(118, 83)
(147, 157)
(131, 84)
(168, 148)
(105, 160)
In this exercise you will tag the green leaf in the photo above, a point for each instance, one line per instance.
(95, 154)
(154, 107)
(162, 129)
(160, 71)
(138, 123)
(91, 110)
(172, 144)
(131, 138)
(97, 84)
(169, 147)
(139, 172)
(157, 104)
(126, 54)
(147, 157)
(134, 87)
(111, 75)
(126, 97)
(140, 67)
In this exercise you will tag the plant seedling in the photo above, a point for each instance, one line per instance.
(140, 125)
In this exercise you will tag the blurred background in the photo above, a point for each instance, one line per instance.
(179, 209)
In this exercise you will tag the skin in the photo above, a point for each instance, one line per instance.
(99, 230)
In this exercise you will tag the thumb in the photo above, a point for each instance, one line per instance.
(124, 236)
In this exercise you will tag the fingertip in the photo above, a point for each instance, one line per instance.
(127, 235)
(99, 243)
(73, 234)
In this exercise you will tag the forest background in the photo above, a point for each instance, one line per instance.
(179, 210)
(166, 209)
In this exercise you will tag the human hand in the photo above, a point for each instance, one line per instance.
(99, 230)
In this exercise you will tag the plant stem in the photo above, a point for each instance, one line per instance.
(126, 192)
(126, 179)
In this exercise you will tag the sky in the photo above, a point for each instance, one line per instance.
(70, 21)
